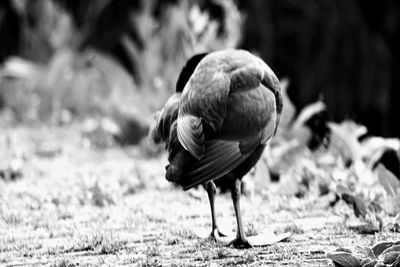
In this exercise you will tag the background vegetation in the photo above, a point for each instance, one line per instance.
(345, 52)
(81, 80)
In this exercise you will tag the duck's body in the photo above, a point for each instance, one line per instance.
(225, 111)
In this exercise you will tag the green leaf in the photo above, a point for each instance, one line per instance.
(392, 205)
(391, 257)
(396, 263)
(348, 198)
(370, 263)
(343, 250)
(395, 248)
(388, 180)
(306, 113)
(359, 206)
(366, 251)
(348, 133)
(380, 247)
(341, 189)
(344, 259)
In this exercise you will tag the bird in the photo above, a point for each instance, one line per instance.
(224, 112)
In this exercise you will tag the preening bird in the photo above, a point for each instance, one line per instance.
(216, 126)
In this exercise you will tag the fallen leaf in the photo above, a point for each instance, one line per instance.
(264, 239)
(267, 238)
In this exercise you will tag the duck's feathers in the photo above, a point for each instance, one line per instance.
(160, 131)
(202, 105)
(220, 158)
(220, 79)
(191, 135)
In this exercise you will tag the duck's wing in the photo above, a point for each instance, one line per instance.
(219, 78)
(220, 158)
(204, 99)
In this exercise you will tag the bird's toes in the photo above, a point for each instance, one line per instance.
(218, 233)
(216, 236)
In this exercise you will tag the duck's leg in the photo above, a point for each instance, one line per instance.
(211, 191)
(241, 240)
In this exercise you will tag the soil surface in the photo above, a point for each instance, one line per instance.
(64, 202)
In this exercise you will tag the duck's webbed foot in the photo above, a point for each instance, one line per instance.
(239, 242)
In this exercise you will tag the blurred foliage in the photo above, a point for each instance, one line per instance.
(104, 58)
(345, 52)
(346, 165)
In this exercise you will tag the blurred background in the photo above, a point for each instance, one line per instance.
(80, 84)
(67, 59)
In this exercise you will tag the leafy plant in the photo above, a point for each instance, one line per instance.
(381, 254)
(346, 163)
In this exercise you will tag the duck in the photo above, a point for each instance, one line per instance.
(223, 114)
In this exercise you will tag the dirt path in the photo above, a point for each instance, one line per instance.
(76, 206)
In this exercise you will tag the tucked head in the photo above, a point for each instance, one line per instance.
(188, 70)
